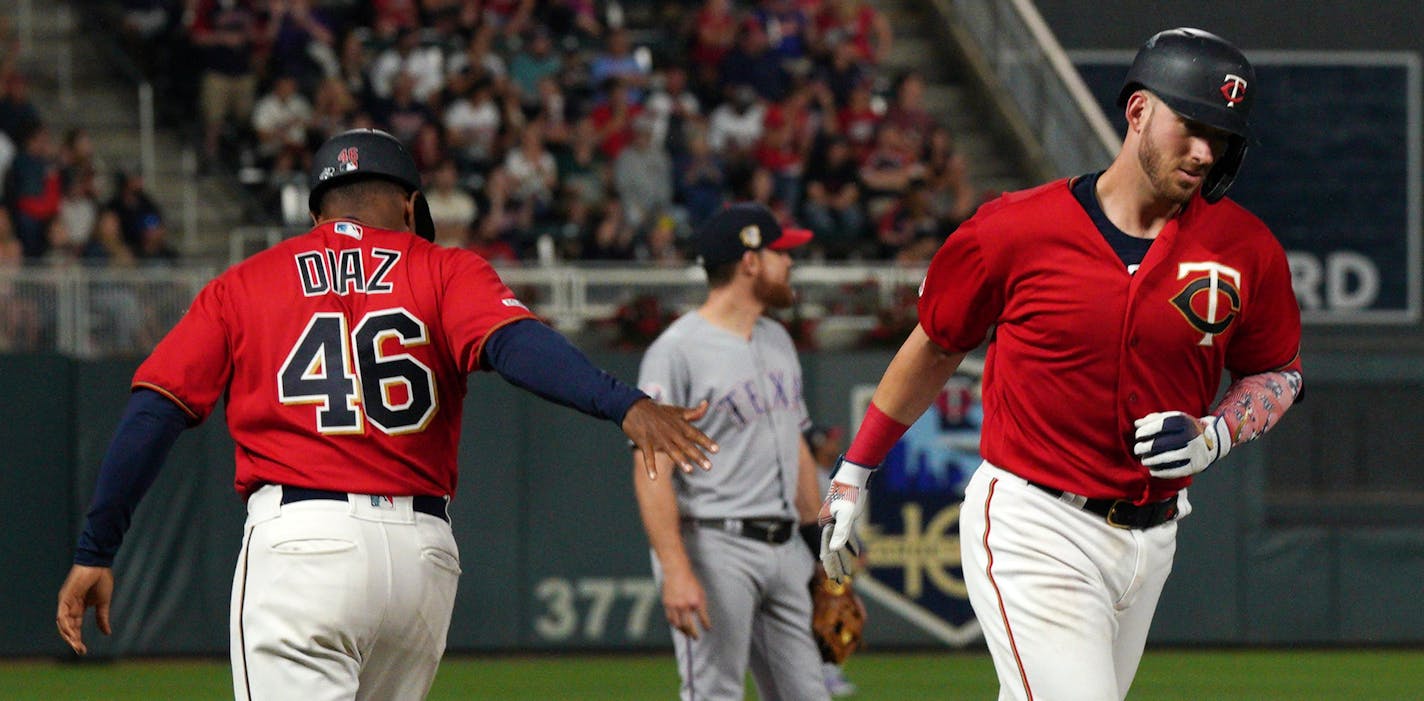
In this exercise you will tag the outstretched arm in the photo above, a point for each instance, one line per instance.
(535, 357)
(911, 382)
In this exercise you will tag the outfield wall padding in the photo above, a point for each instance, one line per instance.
(554, 556)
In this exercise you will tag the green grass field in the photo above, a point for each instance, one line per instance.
(1245, 675)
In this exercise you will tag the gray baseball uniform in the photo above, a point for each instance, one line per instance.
(739, 518)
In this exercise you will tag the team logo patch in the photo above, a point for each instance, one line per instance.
(347, 229)
(1211, 298)
(1233, 88)
(750, 236)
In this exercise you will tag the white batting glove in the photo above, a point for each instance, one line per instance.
(845, 502)
(1172, 444)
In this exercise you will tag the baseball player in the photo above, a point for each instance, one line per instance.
(343, 357)
(733, 575)
(1116, 301)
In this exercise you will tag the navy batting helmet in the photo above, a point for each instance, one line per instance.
(368, 153)
(1205, 79)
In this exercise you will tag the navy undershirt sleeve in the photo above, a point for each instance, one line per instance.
(147, 431)
(535, 357)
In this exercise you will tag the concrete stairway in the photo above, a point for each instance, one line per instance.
(920, 43)
(75, 83)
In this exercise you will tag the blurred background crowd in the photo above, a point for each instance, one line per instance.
(62, 204)
(574, 130)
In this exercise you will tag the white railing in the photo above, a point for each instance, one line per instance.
(1032, 67)
(93, 312)
(97, 312)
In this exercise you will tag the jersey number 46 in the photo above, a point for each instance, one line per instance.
(351, 378)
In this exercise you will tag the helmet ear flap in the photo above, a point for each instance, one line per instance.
(424, 223)
(1223, 173)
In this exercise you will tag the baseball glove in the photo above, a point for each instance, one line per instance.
(837, 617)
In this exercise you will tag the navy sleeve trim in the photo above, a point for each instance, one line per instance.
(146, 433)
(530, 355)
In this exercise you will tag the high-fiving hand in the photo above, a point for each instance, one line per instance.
(664, 428)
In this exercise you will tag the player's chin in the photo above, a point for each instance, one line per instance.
(1180, 190)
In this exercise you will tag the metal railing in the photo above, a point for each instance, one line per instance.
(89, 312)
(1032, 67)
(93, 312)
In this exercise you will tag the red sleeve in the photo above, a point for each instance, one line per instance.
(475, 303)
(1270, 334)
(192, 364)
(45, 203)
(962, 295)
(201, 19)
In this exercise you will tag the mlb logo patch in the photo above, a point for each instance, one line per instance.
(514, 303)
(347, 229)
(386, 503)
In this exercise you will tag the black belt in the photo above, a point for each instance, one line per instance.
(766, 530)
(1121, 513)
(434, 506)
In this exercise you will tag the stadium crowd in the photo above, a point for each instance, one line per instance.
(62, 205)
(559, 129)
(576, 130)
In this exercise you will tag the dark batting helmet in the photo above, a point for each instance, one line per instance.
(1205, 79)
(368, 153)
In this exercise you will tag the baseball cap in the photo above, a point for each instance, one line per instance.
(744, 227)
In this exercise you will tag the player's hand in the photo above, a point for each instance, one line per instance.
(665, 428)
(685, 602)
(845, 502)
(84, 587)
(1172, 444)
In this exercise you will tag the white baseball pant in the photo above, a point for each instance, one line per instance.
(1064, 599)
(340, 600)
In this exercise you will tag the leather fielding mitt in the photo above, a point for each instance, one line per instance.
(837, 617)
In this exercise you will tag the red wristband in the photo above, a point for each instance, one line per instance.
(877, 435)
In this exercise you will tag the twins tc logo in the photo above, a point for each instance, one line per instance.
(1233, 88)
(1211, 298)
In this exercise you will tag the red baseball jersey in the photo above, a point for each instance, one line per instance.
(343, 354)
(1081, 348)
